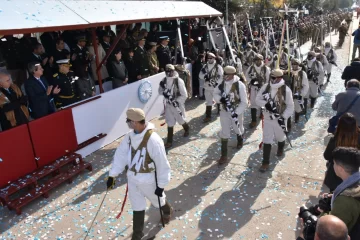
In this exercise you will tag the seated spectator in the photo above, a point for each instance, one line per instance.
(13, 105)
(103, 70)
(153, 60)
(352, 71)
(40, 94)
(344, 99)
(118, 70)
(346, 135)
(345, 203)
(131, 66)
(85, 85)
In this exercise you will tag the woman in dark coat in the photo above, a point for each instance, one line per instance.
(346, 135)
(118, 71)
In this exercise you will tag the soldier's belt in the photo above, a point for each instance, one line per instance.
(67, 97)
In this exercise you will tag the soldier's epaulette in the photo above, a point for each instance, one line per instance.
(55, 75)
(135, 49)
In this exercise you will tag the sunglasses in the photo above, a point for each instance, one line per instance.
(128, 120)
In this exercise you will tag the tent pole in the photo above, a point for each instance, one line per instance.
(98, 73)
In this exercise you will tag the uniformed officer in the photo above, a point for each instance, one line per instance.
(164, 53)
(258, 74)
(209, 76)
(66, 83)
(231, 95)
(299, 87)
(315, 74)
(141, 60)
(331, 57)
(277, 99)
(142, 153)
(80, 56)
(174, 91)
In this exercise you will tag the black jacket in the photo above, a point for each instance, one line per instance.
(351, 72)
(164, 56)
(118, 73)
(141, 61)
(40, 104)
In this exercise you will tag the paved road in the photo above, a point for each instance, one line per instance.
(211, 202)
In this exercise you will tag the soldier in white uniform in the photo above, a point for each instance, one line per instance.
(258, 74)
(174, 91)
(315, 74)
(143, 155)
(322, 58)
(248, 56)
(299, 87)
(231, 95)
(211, 74)
(293, 51)
(331, 57)
(284, 64)
(237, 64)
(277, 99)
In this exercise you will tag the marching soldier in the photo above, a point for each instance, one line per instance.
(277, 99)
(331, 57)
(284, 56)
(342, 33)
(66, 83)
(258, 74)
(174, 91)
(321, 58)
(231, 94)
(299, 87)
(210, 75)
(315, 74)
(249, 56)
(293, 52)
(142, 153)
(237, 63)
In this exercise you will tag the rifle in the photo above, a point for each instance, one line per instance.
(169, 98)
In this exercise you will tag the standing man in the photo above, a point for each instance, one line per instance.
(66, 84)
(209, 76)
(142, 153)
(258, 74)
(141, 60)
(80, 56)
(299, 88)
(331, 57)
(231, 95)
(60, 52)
(40, 94)
(315, 74)
(164, 53)
(248, 56)
(174, 91)
(356, 45)
(277, 99)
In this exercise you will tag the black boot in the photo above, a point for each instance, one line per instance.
(328, 77)
(280, 150)
(253, 118)
(138, 225)
(289, 124)
(240, 142)
(297, 116)
(312, 102)
(266, 158)
(304, 112)
(207, 114)
(261, 114)
(186, 129)
(223, 158)
(169, 137)
(203, 95)
(218, 108)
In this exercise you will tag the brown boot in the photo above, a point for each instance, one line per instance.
(186, 129)
(253, 118)
(138, 225)
(240, 142)
(223, 158)
(167, 212)
(297, 117)
(264, 167)
(169, 137)
(266, 158)
(280, 151)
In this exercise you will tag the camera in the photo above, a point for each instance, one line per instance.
(310, 221)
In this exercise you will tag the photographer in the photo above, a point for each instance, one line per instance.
(329, 228)
(345, 201)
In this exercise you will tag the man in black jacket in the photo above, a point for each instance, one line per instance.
(352, 71)
(39, 92)
(163, 53)
(141, 60)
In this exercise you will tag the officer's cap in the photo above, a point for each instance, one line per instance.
(169, 67)
(295, 61)
(229, 70)
(211, 55)
(135, 114)
(277, 73)
(312, 53)
(141, 38)
(64, 62)
(258, 57)
(164, 38)
(81, 38)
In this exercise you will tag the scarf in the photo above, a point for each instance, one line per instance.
(344, 185)
(10, 116)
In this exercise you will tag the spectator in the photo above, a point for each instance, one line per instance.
(85, 85)
(196, 68)
(345, 203)
(48, 39)
(80, 56)
(101, 53)
(143, 32)
(13, 104)
(39, 92)
(118, 71)
(131, 67)
(105, 43)
(163, 53)
(346, 135)
(329, 228)
(356, 45)
(153, 60)
(152, 37)
(110, 33)
(352, 71)
(141, 60)
(192, 51)
(136, 30)
(60, 52)
(344, 99)
(124, 45)
(37, 55)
